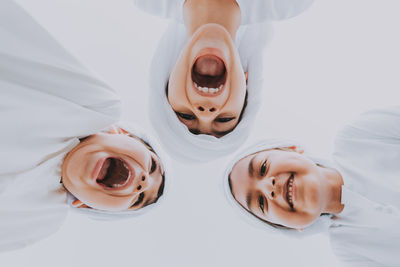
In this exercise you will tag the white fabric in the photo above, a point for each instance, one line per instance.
(323, 222)
(367, 154)
(48, 100)
(252, 11)
(175, 136)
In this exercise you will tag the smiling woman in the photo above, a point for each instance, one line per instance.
(206, 73)
(60, 120)
(280, 186)
(113, 171)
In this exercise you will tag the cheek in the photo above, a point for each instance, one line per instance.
(98, 200)
(312, 195)
(292, 219)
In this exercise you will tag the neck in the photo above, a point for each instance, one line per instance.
(332, 190)
(199, 12)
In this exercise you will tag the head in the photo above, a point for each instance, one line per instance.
(279, 186)
(113, 171)
(207, 86)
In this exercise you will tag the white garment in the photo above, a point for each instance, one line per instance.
(48, 100)
(173, 134)
(252, 11)
(367, 154)
(250, 41)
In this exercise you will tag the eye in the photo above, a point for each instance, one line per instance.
(261, 203)
(153, 165)
(185, 116)
(263, 169)
(222, 120)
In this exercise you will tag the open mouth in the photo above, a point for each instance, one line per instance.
(114, 173)
(209, 74)
(289, 190)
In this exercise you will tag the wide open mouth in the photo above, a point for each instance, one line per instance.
(114, 173)
(209, 74)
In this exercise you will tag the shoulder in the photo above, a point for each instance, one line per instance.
(270, 10)
(171, 9)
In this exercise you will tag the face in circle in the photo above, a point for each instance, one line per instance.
(113, 172)
(278, 186)
(207, 86)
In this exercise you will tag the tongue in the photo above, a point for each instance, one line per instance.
(209, 65)
(113, 173)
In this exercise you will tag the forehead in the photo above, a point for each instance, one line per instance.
(240, 179)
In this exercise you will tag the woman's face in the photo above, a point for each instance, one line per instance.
(207, 86)
(281, 187)
(112, 172)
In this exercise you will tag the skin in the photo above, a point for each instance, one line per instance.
(211, 30)
(79, 168)
(316, 189)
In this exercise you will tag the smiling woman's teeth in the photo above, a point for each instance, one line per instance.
(290, 190)
(208, 90)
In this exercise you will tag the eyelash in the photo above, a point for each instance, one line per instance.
(153, 165)
(261, 203)
(184, 116)
(223, 120)
(263, 168)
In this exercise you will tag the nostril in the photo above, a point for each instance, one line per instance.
(201, 108)
(212, 109)
(273, 181)
(143, 178)
(272, 194)
(139, 187)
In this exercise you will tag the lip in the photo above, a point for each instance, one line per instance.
(209, 51)
(285, 190)
(97, 168)
(128, 181)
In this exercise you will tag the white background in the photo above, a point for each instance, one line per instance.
(321, 69)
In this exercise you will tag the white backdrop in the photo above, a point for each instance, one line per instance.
(321, 69)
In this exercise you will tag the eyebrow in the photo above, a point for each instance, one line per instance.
(251, 167)
(223, 132)
(139, 200)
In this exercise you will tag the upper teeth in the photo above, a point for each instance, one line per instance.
(208, 90)
(290, 189)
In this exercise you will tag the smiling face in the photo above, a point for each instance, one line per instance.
(207, 86)
(113, 172)
(280, 187)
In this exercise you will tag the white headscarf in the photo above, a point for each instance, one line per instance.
(126, 214)
(321, 225)
(173, 134)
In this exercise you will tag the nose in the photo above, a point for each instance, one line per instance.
(206, 108)
(270, 187)
(142, 182)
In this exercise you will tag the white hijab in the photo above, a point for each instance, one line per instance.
(173, 134)
(321, 225)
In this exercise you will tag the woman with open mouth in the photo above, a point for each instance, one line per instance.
(205, 77)
(356, 199)
(60, 139)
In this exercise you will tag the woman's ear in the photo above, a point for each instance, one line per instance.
(78, 204)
